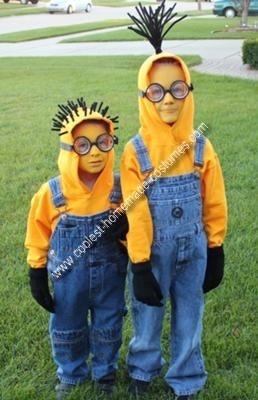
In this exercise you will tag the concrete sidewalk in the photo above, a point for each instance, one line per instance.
(228, 66)
(221, 57)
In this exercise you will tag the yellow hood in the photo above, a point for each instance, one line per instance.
(152, 127)
(80, 200)
(68, 161)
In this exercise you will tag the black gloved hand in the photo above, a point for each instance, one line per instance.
(145, 286)
(39, 288)
(215, 268)
(119, 228)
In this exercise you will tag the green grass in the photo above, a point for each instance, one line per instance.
(11, 9)
(30, 90)
(43, 33)
(186, 29)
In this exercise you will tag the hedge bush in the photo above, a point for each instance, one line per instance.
(250, 52)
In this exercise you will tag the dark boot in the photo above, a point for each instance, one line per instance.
(106, 384)
(63, 390)
(138, 388)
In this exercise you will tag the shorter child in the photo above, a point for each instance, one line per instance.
(72, 237)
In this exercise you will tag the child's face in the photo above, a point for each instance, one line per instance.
(165, 74)
(95, 160)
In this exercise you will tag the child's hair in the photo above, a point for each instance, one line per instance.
(165, 61)
(94, 121)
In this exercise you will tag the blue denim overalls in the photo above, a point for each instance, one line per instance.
(88, 285)
(178, 259)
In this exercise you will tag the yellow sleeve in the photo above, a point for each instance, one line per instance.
(140, 235)
(214, 199)
(39, 228)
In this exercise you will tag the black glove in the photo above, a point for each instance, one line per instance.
(215, 268)
(39, 288)
(119, 228)
(145, 286)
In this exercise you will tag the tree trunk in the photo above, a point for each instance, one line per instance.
(199, 5)
(244, 14)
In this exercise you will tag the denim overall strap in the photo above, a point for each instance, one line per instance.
(116, 194)
(57, 195)
(142, 154)
(199, 151)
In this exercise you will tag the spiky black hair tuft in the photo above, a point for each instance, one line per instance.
(72, 109)
(151, 23)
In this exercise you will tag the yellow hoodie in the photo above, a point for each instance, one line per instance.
(161, 140)
(80, 200)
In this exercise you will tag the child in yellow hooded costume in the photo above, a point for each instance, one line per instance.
(176, 227)
(73, 228)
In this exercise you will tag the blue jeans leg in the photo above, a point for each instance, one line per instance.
(70, 350)
(186, 373)
(107, 314)
(69, 330)
(145, 360)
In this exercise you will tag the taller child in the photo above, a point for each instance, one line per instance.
(177, 227)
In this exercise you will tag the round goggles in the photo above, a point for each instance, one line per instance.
(156, 92)
(104, 142)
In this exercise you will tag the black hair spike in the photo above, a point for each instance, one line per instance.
(82, 104)
(57, 124)
(62, 116)
(151, 24)
(100, 106)
(72, 109)
(93, 107)
(115, 119)
(104, 111)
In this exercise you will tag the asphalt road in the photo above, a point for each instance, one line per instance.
(26, 22)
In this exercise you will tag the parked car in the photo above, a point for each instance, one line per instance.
(24, 1)
(231, 8)
(69, 6)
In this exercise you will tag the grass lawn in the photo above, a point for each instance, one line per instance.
(11, 9)
(43, 33)
(30, 90)
(201, 28)
(197, 28)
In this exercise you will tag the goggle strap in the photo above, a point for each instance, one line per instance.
(141, 93)
(66, 146)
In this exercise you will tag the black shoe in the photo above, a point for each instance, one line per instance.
(184, 397)
(63, 390)
(106, 384)
(138, 388)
